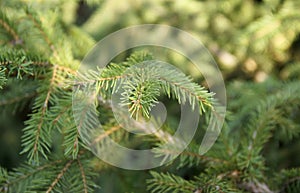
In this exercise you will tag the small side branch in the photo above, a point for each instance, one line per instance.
(59, 176)
(10, 30)
(83, 176)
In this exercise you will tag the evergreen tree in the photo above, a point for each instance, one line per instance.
(256, 44)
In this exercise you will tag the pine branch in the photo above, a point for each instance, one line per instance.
(209, 182)
(20, 63)
(81, 41)
(37, 133)
(59, 176)
(141, 90)
(255, 187)
(20, 94)
(17, 99)
(37, 23)
(140, 85)
(2, 77)
(3, 180)
(106, 134)
(191, 158)
(43, 111)
(53, 176)
(287, 180)
(60, 51)
(85, 186)
(10, 28)
(61, 116)
(292, 71)
(106, 79)
(164, 183)
(262, 122)
(16, 180)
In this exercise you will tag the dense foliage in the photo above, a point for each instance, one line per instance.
(255, 43)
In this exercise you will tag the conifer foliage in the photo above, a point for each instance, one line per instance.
(42, 45)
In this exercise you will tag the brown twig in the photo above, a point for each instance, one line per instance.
(10, 30)
(59, 176)
(83, 176)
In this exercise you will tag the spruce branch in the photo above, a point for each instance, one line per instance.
(213, 184)
(17, 180)
(262, 122)
(59, 176)
(10, 28)
(164, 183)
(37, 23)
(37, 67)
(37, 133)
(2, 77)
(83, 175)
(140, 85)
(62, 120)
(106, 134)
(17, 99)
(20, 94)
(20, 63)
